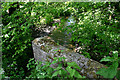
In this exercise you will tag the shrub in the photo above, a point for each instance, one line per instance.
(16, 42)
(63, 70)
(94, 32)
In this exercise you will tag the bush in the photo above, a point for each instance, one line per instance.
(16, 43)
(93, 34)
(63, 70)
(96, 30)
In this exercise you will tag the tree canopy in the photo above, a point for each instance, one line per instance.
(96, 30)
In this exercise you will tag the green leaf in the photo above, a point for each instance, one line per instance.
(115, 65)
(115, 54)
(73, 72)
(106, 59)
(60, 72)
(54, 62)
(77, 75)
(55, 73)
(49, 70)
(60, 59)
(70, 70)
(118, 75)
(109, 72)
(56, 50)
(55, 58)
(58, 68)
(62, 50)
(64, 72)
(73, 64)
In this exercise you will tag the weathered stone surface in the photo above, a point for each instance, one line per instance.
(45, 48)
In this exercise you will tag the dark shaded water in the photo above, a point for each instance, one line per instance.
(62, 37)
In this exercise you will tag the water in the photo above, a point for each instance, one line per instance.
(70, 21)
(62, 37)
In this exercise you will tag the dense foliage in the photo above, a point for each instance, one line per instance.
(96, 30)
(63, 70)
(112, 68)
(16, 42)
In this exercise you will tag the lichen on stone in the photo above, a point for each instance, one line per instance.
(45, 49)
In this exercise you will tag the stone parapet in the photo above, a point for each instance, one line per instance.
(45, 49)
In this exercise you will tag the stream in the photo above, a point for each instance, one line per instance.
(61, 37)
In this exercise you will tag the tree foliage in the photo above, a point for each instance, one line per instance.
(96, 30)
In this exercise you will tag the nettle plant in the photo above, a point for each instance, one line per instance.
(63, 69)
(111, 71)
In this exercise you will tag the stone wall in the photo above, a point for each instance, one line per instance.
(44, 49)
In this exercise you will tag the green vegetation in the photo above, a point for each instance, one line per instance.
(63, 70)
(113, 68)
(96, 31)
